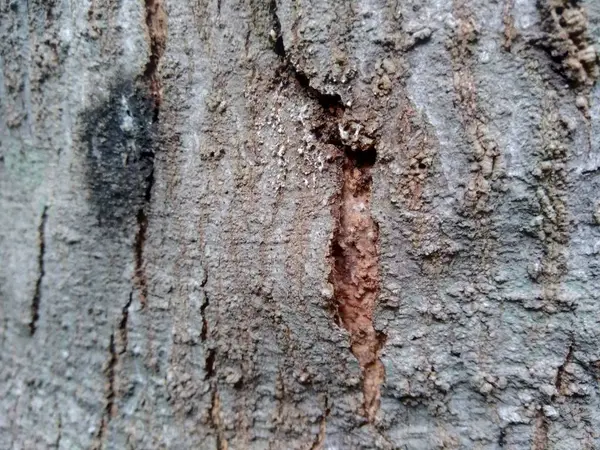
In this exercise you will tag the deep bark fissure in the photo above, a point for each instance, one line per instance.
(209, 364)
(204, 330)
(37, 295)
(485, 151)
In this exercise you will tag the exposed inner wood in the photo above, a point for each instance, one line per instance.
(355, 275)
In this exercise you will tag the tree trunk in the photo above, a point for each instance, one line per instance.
(299, 225)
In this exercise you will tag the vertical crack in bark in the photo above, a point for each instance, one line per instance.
(37, 295)
(559, 381)
(355, 272)
(123, 324)
(320, 437)
(209, 364)
(217, 421)
(140, 278)
(156, 22)
(502, 438)
(204, 331)
(109, 396)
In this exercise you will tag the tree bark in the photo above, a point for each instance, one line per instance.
(299, 225)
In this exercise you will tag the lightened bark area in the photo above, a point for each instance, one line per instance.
(355, 274)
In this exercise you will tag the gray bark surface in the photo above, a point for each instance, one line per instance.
(247, 224)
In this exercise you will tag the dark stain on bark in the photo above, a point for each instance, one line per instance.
(118, 135)
(37, 295)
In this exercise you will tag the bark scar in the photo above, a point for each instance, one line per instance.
(355, 275)
(354, 253)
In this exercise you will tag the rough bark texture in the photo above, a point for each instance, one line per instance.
(245, 224)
